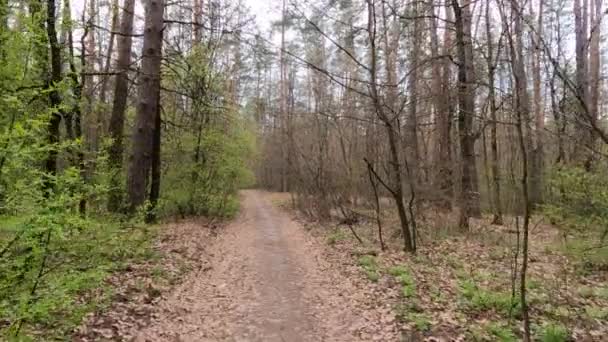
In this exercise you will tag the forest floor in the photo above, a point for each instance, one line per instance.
(274, 275)
(459, 286)
(261, 278)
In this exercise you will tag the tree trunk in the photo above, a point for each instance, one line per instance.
(469, 200)
(444, 120)
(537, 153)
(141, 159)
(594, 75)
(411, 137)
(53, 83)
(496, 201)
(396, 186)
(582, 79)
(156, 164)
(121, 93)
(106, 68)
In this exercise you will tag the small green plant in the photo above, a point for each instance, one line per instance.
(480, 299)
(553, 332)
(370, 266)
(405, 278)
(421, 321)
(596, 312)
(501, 332)
(335, 237)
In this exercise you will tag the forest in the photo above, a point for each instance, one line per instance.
(355, 170)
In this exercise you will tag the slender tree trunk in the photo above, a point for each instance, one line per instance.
(594, 75)
(396, 187)
(143, 130)
(537, 153)
(469, 201)
(76, 113)
(411, 126)
(444, 120)
(522, 108)
(121, 93)
(108, 62)
(89, 89)
(582, 79)
(496, 200)
(156, 164)
(197, 15)
(283, 104)
(54, 96)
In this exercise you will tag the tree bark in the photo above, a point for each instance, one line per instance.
(582, 79)
(141, 159)
(496, 200)
(121, 93)
(594, 75)
(53, 83)
(469, 200)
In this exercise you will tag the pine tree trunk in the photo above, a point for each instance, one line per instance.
(143, 131)
(121, 93)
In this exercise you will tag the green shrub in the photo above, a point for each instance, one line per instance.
(578, 204)
(370, 266)
(501, 332)
(421, 321)
(552, 332)
(481, 299)
(405, 278)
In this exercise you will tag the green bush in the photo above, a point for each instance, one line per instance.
(553, 332)
(578, 201)
(481, 299)
(405, 278)
(370, 267)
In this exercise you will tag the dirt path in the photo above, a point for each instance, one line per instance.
(268, 282)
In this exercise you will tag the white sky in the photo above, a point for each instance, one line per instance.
(265, 11)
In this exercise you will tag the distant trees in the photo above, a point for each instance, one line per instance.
(428, 95)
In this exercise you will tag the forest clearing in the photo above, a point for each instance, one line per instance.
(303, 170)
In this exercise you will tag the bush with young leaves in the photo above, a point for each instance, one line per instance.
(578, 200)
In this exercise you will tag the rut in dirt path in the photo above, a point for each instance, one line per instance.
(268, 282)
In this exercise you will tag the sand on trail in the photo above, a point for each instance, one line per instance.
(268, 282)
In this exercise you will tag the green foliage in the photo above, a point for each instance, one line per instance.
(553, 332)
(579, 199)
(405, 278)
(335, 237)
(578, 204)
(492, 331)
(421, 321)
(480, 299)
(370, 266)
(209, 161)
(54, 259)
(501, 332)
(596, 312)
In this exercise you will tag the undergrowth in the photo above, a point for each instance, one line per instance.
(49, 291)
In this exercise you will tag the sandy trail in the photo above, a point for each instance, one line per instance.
(268, 282)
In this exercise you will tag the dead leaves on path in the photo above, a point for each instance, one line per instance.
(139, 287)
